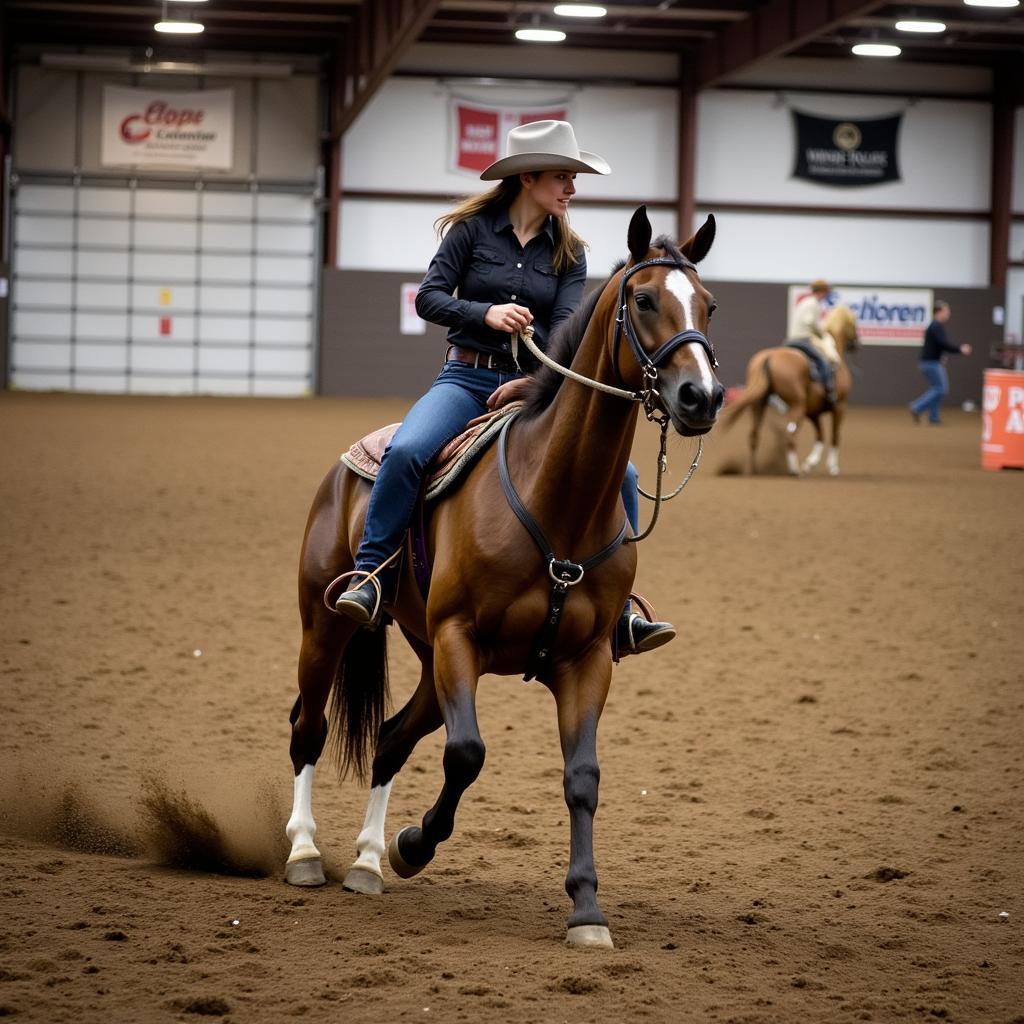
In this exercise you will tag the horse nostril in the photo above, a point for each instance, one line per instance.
(692, 398)
(717, 399)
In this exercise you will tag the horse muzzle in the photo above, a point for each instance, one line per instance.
(693, 406)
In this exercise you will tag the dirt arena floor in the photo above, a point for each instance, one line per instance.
(811, 802)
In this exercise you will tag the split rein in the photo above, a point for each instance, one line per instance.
(648, 394)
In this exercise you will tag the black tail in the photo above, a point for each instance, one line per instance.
(359, 699)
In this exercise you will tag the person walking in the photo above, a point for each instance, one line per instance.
(507, 260)
(936, 344)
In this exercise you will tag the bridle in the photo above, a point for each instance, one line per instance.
(648, 394)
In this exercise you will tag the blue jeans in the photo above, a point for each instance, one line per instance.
(459, 394)
(935, 373)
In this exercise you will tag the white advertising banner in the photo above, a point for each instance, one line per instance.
(165, 128)
(885, 316)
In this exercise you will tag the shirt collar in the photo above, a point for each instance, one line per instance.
(500, 224)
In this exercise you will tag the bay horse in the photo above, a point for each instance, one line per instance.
(490, 590)
(785, 372)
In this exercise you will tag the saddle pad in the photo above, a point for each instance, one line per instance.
(365, 455)
(819, 367)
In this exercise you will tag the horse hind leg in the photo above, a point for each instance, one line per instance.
(324, 640)
(457, 671)
(793, 420)
(397, 738)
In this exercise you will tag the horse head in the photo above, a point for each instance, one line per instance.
(664, 310)
(841, 323)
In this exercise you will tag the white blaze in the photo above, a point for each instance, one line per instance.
(679, 285)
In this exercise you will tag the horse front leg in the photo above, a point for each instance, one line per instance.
(580, 692)
(814, 455)
(832, 461)
(457, 672)
(396, 741)
(793, 420)
(323, 640)
(756, 419)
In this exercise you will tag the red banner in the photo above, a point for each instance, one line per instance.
(480, 132)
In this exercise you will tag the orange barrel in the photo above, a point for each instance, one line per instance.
(1002, 431)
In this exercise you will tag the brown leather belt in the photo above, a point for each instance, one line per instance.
(486, 360)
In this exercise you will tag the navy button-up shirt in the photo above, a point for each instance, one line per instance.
(482, 260)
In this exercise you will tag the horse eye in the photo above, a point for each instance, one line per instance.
(643, 302)
(711, 309)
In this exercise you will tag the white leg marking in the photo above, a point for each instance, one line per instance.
(814, 456)
(793, 462)
(370, 844)
(679, 285)
(833, 461)
(301, 827)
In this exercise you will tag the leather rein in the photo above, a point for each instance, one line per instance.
(565, 573)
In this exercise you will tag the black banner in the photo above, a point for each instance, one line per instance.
(844, 152)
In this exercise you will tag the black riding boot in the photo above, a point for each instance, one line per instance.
(363, 602)
(635, 635)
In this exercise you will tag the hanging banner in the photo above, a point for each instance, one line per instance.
(885, 316)
(165, 128)
(478, 133)
(833, 152)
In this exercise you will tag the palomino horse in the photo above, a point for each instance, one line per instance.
(785, 371)
(490, 592)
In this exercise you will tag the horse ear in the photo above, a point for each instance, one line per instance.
(697, 247)
(639, 236)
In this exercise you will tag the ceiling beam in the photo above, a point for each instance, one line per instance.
(383, 31)
(771, 31)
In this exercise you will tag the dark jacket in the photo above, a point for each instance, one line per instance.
(936, 343)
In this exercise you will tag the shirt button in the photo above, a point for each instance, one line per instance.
(512, 296)
(519, 266)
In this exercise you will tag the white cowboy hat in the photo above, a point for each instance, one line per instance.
(544, 146)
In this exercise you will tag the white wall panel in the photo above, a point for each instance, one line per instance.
(282, 361)
(280, 206)
(225, 268)
(283, 300)
(1015, 302)
(89, 263)
(225, 328)
(41, 355)
(283, 332)
(46, 198)
(45, 262)
(792, 247)
(105, 383)
(43, 293)
(284, 238)
(105, 232)
(164, 384)
(104, 200)
(110, 358)
(31, 380)
(94, 295)
(166, 267)
(747, 144)
(160, 202)
(215, 298)
(222, 385)
(284, 270)
(272, 387)
(27, 323)
(224, 360)
(226, 237)
(172, 358)
(105, 326)
(162, 235)
(227, 204)
(38, 230)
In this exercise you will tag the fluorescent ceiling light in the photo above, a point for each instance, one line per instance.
(179, 27)
(992, 3)
(912, 25)
(876, 50)
(580, 11)
(540, 35)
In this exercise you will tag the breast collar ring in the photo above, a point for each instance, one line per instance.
(649, 363)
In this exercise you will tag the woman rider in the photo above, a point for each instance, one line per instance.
(514, 262)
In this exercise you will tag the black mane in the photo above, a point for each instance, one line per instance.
(566, 338)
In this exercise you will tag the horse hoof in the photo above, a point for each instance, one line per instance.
(308, 872)
(363, 880)
(595, 936)
(399, 865)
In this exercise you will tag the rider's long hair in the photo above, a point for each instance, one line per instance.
(568, 245)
